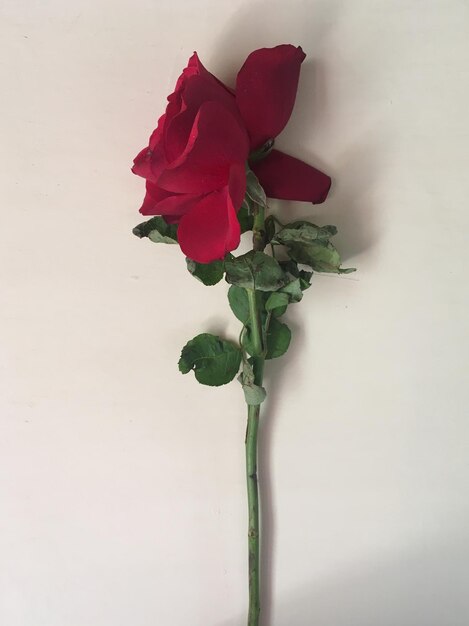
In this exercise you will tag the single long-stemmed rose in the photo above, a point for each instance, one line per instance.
(209, 167)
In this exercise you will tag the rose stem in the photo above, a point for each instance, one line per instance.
(258, 358)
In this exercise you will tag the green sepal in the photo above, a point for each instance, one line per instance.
(253, 394)
(255, 270)
(254, 190)
(245, 216)
(157, 230)
(214, 361)
(208, 273)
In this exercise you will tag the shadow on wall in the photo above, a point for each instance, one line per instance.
(349, 206)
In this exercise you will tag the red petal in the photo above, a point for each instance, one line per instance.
(210, 229)
(149, 163)
(192, 69)
(156, 135)
(195, 65)
(160, 202)
(266, 90)
(172, 219)
(194, 86)
(216, 142)
(237, 184)
(150, 201)
(195, 62)
(197, 90)
(287, 178)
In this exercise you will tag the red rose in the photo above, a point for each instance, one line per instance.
(195, 162)
(195, 165)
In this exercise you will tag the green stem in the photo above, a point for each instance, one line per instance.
(255, 326)
(255, 323)
(253, 507)
(258, 229)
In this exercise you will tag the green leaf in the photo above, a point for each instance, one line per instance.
(305, 279)
(238, 299)
(157, 230)
(321, 256)
(293, 290)
(245, 217)
(309, 244)
(304, 232)
(214, 361)
(207, 273)
(253, 394)
(291, 267)
(255, 270)
(276, 300)
(279, 311)
(278, 339)
(254, 189)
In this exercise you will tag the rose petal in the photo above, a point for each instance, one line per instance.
(216, 142)
(195, 86)
(172, 219)
(266, 90)
(157, 134)
(157, 201)
(193, 68)
(197, 90)
(237, 184)
(210, 229)
(195, 62)
(148, 165)
(287, 178)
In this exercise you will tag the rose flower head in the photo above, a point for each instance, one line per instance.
(195, 163)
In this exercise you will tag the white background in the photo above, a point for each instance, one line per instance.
(121, 481)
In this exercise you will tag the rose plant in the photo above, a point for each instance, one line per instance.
(210, 166)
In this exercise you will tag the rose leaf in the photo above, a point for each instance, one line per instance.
(214, 361)
(157, 230)
(278, 339)
(207, 273)
(304, 232)
(255, 270)
(276, 300)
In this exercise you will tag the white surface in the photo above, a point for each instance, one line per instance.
(121, 482)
